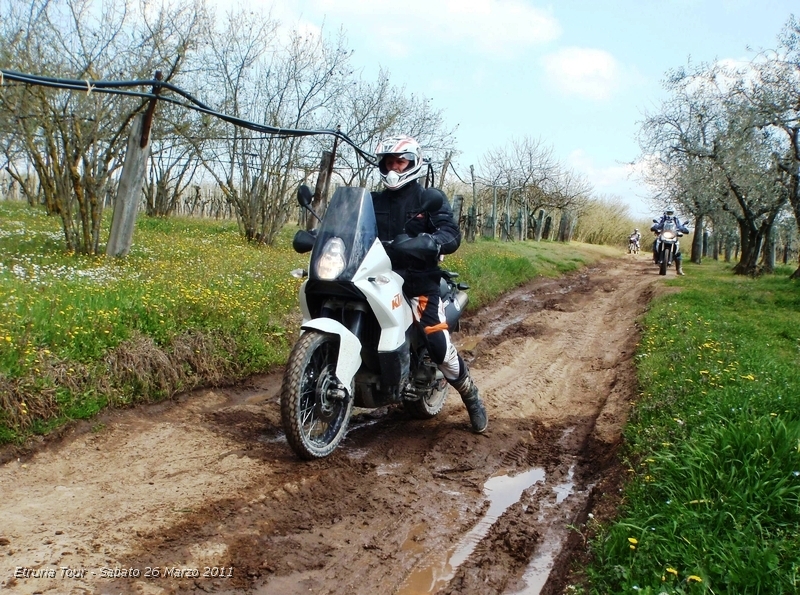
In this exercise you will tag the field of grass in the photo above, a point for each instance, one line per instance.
(712, 445)
(192, 305)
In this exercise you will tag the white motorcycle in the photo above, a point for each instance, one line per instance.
(359, 345)
(667, 245)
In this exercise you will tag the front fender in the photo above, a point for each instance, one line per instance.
(349, 348)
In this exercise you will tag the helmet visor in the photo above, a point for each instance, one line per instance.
(408, 156)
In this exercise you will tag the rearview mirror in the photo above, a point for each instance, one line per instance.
(304, 195)
(303, 241)
(431, 200)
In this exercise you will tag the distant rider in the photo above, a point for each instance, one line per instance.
(397, 211)
(635, 237)
(669, 214)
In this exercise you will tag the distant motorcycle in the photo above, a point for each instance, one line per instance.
(667, 246)
(359, 344)
(633, 244)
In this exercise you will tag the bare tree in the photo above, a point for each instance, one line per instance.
(368, 111)
(284, 85)
(72, 140)
(532, 181)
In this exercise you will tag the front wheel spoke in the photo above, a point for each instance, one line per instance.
(306, 416)
(318, 429)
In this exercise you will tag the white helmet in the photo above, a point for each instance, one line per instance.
(402, 146)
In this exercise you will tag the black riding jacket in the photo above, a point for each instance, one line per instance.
(396, 213)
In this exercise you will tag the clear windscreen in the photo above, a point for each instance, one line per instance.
(351, 217)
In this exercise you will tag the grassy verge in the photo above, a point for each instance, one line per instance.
(192, 305)
(713, 445)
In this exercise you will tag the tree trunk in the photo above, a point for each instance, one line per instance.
(447, 158)
(697, 241)
(769, 252)
(319, 200)
(540, 225)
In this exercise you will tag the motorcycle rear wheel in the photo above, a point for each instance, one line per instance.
(430, 405)
(314, 422)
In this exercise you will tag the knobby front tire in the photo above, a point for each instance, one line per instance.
(314, 422)
(662, 267)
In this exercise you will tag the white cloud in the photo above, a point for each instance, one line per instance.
(584, 72)
(602, 178)
(619, 179)
(499, 27)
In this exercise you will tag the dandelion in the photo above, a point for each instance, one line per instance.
(694, 577)
(672, 571)
(633, 540)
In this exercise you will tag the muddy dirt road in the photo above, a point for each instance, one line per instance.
(202, 494)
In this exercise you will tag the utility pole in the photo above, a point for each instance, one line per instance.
(473, 210)
(494, 212)
(134, 170)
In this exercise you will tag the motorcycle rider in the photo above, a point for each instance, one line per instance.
(636, 236)
(669, 214)
(397, 211)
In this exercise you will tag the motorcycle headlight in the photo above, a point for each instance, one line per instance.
(669, 235)
(331, 262)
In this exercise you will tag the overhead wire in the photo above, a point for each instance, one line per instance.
(190, 102)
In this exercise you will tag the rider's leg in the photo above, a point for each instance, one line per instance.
(429, 312)
(679, 264)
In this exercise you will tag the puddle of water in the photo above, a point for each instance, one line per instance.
(469, 343)
(538, 570)
(415, 538)
(540, 566)
(564, 490)
(502, 491)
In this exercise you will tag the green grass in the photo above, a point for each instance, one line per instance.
(492, 267)
(192, 305)
(713, 445)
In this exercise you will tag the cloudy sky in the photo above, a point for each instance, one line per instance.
(579, 75)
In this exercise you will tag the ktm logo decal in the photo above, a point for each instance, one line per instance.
(396, 302)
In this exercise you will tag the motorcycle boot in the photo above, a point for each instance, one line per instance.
(472, 400)
(679, 268)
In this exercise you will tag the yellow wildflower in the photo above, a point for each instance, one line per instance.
(694, 577)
